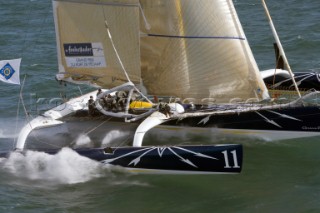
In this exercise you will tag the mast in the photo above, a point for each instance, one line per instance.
(276, 37)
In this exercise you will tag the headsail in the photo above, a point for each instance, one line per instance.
(197, 49)
(85, 51)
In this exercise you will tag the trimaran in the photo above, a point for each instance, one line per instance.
(165, 68)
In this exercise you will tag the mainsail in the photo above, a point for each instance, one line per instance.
(197, 49)
(85, 51)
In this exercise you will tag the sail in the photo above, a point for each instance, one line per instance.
(197, 50)
(86, 53)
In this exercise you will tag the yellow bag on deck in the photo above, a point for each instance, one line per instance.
(140, 104)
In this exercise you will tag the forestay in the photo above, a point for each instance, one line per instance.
(197, 49)
(85, 51)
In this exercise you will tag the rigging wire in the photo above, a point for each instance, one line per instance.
(91, 130)
(17, 120)
(275, 70)
(21, 101)
(96, 127)
(282, 53)
(24, 46)
(21, 86)
(119, 58)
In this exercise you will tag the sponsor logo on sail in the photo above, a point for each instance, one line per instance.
(84, 55)
(78, 49)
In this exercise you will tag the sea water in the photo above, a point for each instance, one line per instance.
(277, 176)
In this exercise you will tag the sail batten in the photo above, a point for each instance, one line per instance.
(195, 37)
(96, 2)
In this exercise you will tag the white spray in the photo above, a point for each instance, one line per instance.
(112, 135)
(66, 166)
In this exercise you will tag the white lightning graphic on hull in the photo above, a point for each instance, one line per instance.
(160, 151)
(198, 154)
(269, 121)
(204, 120)
(183, 159)
(284, 115)
(137, 160)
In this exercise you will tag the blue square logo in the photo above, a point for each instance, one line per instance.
(7, 71)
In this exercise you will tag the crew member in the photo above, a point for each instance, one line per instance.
(99, 92)
(165, 109)
(91, 106)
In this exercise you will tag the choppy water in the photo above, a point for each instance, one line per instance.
(276, 177)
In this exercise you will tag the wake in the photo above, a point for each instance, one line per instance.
(65, 167)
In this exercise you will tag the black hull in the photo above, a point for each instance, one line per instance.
(102, 131)
(307, 81)
(169, 159)
(278, 119)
